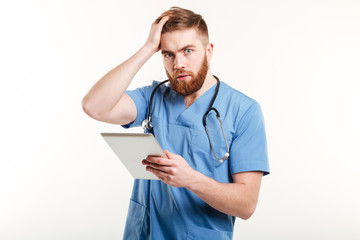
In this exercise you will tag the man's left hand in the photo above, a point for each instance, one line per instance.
(172, 169)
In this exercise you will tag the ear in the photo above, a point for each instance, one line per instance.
(209, 51)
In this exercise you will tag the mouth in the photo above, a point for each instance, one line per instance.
(182, 77)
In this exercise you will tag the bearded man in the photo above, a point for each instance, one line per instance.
(214, 135)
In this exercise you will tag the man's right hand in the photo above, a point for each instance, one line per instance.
(106, 101)
(153, 41)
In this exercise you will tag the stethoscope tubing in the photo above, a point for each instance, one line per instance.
(147, 123)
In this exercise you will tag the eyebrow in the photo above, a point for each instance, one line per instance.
(182, 49)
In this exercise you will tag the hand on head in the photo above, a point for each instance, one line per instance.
(153, 40)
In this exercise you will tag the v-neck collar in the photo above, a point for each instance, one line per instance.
(200, 106)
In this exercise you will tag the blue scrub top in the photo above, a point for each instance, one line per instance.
(159, 211)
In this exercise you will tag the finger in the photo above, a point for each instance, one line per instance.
(151, 164)
(158, 160)
(156, 172)
(162, 168)
(162, 178)
(163, 155)
(163, 20)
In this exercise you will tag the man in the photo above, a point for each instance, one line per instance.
(203, 183)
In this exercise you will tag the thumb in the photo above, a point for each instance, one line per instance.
(169, 155)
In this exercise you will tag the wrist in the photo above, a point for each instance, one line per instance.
(196, 181)
(150, 49)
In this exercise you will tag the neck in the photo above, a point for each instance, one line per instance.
(208, 83)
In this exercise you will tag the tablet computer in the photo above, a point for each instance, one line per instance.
(132, 148)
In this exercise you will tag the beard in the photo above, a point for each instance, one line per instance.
(186, 88)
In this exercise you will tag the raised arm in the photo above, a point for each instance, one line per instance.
(106, 101)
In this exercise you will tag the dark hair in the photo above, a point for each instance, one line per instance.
(181, 18)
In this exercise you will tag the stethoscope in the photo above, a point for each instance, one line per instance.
(148, 125)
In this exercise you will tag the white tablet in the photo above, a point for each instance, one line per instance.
(132, 148)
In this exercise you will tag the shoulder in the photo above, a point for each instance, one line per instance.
(237, 108)
(236, 99)
(147, 90)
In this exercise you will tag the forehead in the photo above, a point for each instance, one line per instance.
(176, 40)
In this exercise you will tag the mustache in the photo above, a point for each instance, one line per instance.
(178, 73)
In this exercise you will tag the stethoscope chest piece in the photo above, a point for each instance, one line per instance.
(147, 124)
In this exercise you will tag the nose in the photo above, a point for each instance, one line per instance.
(178, 62)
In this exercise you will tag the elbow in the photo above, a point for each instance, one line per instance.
(246, 216)
(89, 109)
(86, 106)
(247, 213)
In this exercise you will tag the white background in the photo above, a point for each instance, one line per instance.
(299, 59)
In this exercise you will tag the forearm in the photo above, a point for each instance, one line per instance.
(107, 92)
(236, 199)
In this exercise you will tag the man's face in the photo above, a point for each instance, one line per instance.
(185, 60)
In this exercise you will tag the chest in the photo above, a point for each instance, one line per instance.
(183, 133)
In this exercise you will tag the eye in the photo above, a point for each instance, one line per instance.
(168, 55)
(188, 51)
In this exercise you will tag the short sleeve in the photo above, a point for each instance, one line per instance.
(249, 147)
(141, 98)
